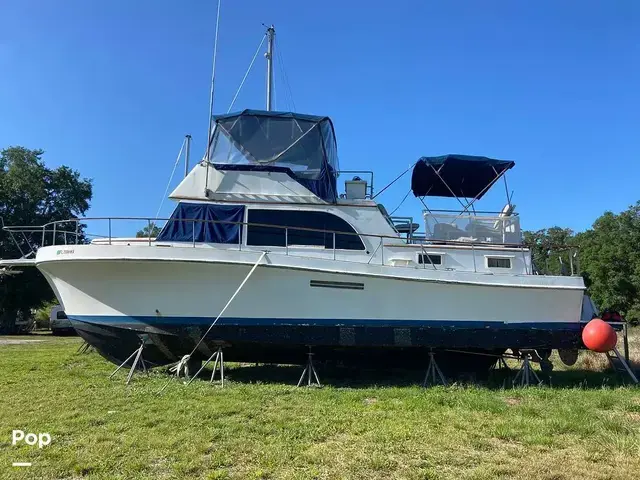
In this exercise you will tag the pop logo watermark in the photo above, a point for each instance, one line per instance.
(41, 439)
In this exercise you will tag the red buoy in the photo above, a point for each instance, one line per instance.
(599, 336)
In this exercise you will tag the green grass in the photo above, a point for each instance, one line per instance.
(251, 430)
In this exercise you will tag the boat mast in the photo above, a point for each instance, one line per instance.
(187, 148)
(213, 82)
(271, 35)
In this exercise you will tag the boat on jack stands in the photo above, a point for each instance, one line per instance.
(335, 272)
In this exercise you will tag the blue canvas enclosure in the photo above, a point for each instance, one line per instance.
(200, 222)
(456, 175)
(303, 146)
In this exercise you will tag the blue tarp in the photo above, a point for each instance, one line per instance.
(196, 220)
(303, 146)
(457, 175)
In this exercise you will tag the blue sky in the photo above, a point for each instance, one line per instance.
(111, 88)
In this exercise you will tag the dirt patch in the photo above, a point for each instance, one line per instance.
(635, 416)
(512, 401)
(17, 341)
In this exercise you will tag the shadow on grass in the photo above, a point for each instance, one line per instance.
(351, 377)
(589, 378)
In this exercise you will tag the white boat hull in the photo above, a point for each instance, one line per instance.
(114, 294)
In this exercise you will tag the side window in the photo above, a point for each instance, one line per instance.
(498, 262)
(429, 259)
(60, 315)
(260, 233)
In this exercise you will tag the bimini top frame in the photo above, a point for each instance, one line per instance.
(464, 177)
(458, 176)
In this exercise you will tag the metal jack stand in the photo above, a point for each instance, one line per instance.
(309, 370)
(434, 374)
(84, 348)
(216, 357)
(500, 365)
(526, 373)
(138, 358)
(620, 364)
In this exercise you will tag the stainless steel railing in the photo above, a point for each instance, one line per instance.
(72, 232)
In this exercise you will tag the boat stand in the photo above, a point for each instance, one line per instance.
(434, 374)
(218, 356)
(501, 364)
(84, 348)
(138, 358)
(310, 370)
(526, 374)
(620, 364)
(218, 363)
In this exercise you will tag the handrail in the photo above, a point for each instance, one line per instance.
(574, 260)
(58, 229)
(40, 228)
(472, 213)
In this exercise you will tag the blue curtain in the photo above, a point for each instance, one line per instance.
(191, 220)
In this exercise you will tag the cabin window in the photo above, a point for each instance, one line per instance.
(429, 259)
(297, 220)
(498, 262)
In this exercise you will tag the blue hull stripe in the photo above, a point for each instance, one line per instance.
(118, 320)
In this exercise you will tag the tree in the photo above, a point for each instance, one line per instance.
(32, 194)
(146, 232)
(552, 250)
(608, 258)
(610, 261)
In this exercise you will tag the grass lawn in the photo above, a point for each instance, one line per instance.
(261, 426)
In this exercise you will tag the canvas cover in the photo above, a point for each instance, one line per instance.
(303, 146)
(463, 176)
(201, 222)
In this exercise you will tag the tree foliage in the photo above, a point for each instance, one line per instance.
(610, 258)
(607, 256)
(33, 194)
(552, 250)
(147, 232)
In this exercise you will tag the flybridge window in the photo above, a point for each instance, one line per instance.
(260, 233)
(498, 262)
